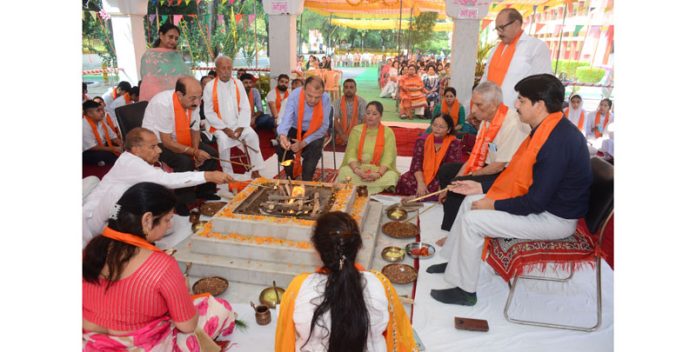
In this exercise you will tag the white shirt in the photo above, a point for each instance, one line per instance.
(111, 108)
(128, 170)
(511, 134)
(531, 57)
(108, 96)
(271, 98)
(159, 115)
(232, 117)
(310, 295)
(600, 125)
(89, 140)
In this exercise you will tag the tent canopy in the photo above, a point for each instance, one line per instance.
(383, 9)
(384, 24)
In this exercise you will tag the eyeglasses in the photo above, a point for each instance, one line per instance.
(502, 28)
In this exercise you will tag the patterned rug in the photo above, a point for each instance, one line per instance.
(512, 257)
(329, 175)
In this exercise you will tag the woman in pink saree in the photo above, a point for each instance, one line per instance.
(134, 296)
(162, 64)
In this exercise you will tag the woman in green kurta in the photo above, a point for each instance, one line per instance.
(162, 64)
(450, 101)
(362, 162)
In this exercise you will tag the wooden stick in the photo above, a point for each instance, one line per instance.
(418, 213)
(231, 162)
(427, 195)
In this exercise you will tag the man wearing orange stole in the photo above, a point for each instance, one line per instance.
(499, 135)
(540, 195)
(516, 56)
(175, 118)
(303, 127)
(348, 111)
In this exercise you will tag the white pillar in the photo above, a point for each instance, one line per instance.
(465, 37)
(129, 35)
(129, 42)
(283, 43)
(466, 15)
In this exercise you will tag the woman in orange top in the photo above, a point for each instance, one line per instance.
(412, 94)
(342, 306)
(439, 147)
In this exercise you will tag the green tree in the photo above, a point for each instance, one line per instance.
(422, 30)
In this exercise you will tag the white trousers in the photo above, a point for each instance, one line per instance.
(225, 143)
(465, 240)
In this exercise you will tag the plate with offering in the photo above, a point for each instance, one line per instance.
(398, 229)
(393, 254)
(420, 250)
(214, 285)
(400, 273)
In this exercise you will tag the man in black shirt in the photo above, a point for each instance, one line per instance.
(541, 194)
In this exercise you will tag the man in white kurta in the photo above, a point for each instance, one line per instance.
(136, 165)
(531, 56)
(112, 94)
(232, 123)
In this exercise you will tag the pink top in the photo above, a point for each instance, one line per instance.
(157, 288)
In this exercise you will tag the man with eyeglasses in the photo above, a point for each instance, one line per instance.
(516, 56)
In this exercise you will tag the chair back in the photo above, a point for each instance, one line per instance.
(130, 116)
(601, 194)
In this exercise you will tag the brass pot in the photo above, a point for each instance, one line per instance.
(268, 296)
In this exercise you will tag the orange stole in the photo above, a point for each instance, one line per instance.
(500, 62)
(345, 127)
(96, 132)
(398, 334)
(112, 125)
(379, 145)
(432, 159)
(314, 125)
(446, 110)
(216, 102)
(581, 122)
(127, 98)
(516, 179)
(485, 136)
(182, 120)
(597, 118)
(128, 238)
(279, 99)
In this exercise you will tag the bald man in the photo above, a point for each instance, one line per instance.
(228, 113)
(175, 118)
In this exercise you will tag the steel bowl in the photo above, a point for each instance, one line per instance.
(397, 213)
(393, 254)
(214, 285)
(269, 298)
(417, 246)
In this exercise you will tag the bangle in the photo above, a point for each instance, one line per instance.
(186, 149)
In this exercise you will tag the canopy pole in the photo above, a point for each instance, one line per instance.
(398, 34)
(256, 42)
(560, 39)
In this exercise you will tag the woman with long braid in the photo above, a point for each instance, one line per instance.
(341, 307)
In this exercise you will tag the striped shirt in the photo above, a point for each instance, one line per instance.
(157, 288)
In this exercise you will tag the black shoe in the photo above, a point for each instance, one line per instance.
(209, 196)
(182, 210)
(436, 268)
(454, 295)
